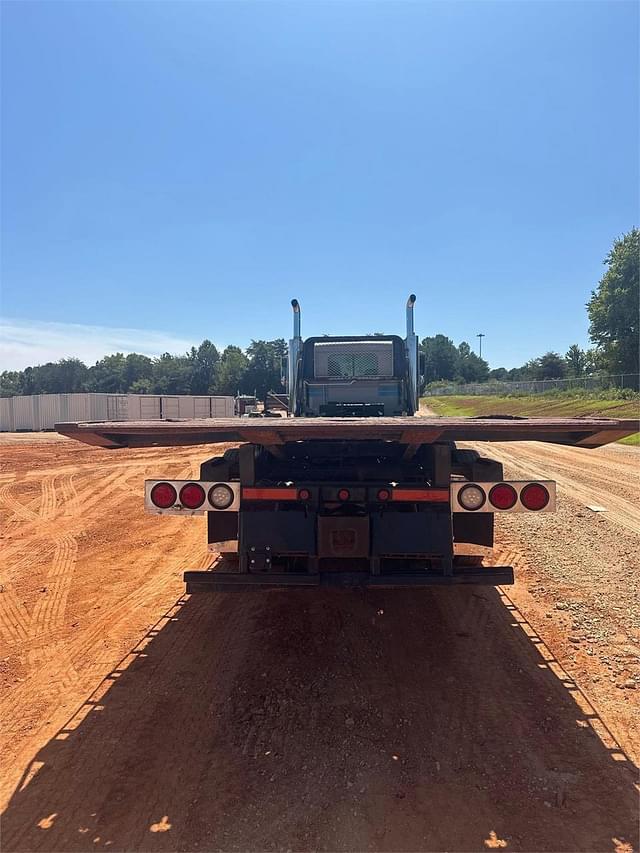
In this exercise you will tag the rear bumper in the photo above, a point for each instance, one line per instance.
(235, 582)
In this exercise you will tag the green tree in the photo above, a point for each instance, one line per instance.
(108, 374)
(469, 366)
(138, 370)
(613, 307)
(141, 386)
(441, 357)
(576, 359)
(593, 362)
(499, 373)
(10, 383)
(265, 366)
(69, 375)
(230, 371)
(550, 366)
(204, 361)
(172, 374)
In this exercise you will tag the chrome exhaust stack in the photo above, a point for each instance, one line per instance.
(411, 301)
(411, 343)
(295, 347)
(296, 318)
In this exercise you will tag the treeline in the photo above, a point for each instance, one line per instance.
(203, 370)
(613, 328)
(444, 362)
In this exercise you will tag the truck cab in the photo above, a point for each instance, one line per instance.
(353, 376)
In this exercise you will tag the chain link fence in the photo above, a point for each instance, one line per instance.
(538, 386)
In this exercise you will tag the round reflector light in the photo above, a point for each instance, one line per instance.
(192, 495)
(304, 494)
(221, 496)
(344, 494)
(471, 497)
(503, 496)
(534, 496)
(384, 494)
(163, 495)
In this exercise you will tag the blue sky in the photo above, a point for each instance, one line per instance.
(175, 171)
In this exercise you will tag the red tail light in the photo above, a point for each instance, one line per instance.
(384, 494)
(344, 494)
(534, 496)
(304, 494)
(163, 495)
(192, 496)
(503, 496)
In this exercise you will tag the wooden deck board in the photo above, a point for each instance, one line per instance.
(586, 432)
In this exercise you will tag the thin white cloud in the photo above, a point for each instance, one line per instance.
(25, 342)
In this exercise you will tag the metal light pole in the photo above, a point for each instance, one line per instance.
(480, 336)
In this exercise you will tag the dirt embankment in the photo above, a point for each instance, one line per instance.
(141, 719)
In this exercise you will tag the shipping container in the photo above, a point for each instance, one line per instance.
(183, 406)
(84, 407)
(169, 407)
(202, 407)
(47, 411)
(222, 407)
(44, 411)
(117, 407)
(6, 414)
(143, 407)
(23, 413)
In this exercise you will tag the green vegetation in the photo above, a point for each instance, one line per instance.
(633, 440)
(613, 318)
(202, 370)
(613, 307)
(444, 361)
(612, 404)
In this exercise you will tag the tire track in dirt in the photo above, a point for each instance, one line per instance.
(37, 508)
(14, 618)
(50, 608)
(535, 464)
(15, 507)
(71, 499)
(107, 496)
(79, 659)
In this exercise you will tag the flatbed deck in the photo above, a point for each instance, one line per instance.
(580, 432)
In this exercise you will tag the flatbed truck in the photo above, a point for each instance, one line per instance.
(354, 487)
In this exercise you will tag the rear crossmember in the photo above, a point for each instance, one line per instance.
(215, 581)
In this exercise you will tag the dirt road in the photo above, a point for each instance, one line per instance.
(141, 719)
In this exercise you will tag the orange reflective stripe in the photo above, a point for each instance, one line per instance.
(430, 495)
(270, 494)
